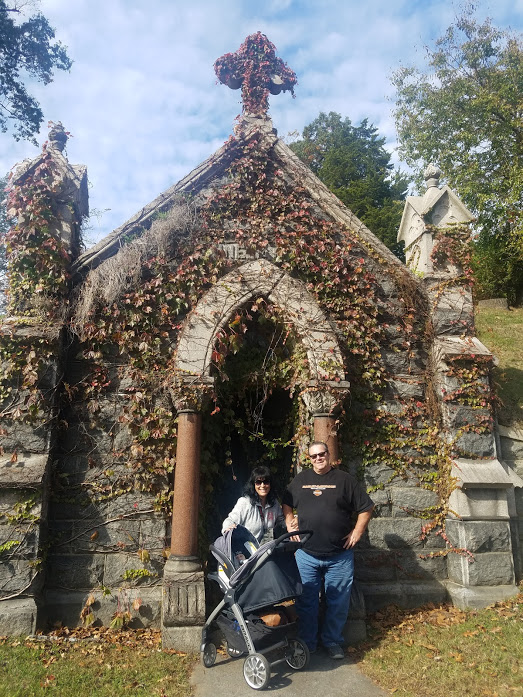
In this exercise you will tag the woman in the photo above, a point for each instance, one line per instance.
(258, 510)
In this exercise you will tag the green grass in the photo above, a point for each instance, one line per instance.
(436, 651)
(115, 664)
(445, 652)
(502, 333)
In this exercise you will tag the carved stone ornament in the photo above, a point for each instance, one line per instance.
(324, 397)
(432, 175)
(191, 393)
(183, 599)
(57, 136)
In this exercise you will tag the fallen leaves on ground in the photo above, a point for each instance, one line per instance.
(92, 639)
(437, 647)
(405, 622)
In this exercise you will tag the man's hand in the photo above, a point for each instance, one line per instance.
(361, 525)
(292, 524)
(351, 539)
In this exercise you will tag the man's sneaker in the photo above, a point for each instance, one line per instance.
(335, 651)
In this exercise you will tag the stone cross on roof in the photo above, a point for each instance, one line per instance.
(256, 69)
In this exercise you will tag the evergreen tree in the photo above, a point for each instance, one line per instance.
(353, 163)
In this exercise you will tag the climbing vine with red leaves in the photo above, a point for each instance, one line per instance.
(259, 208)
(453, 245)
(38, 259)
(256, 69)
(38, 284)
(128, 346)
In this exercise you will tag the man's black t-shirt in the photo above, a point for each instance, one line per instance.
(325, 503)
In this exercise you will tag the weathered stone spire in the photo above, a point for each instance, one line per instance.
(70, 196)
(438, 207)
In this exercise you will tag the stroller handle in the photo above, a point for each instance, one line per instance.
(304, 535)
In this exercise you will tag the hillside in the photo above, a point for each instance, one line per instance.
(502, 333)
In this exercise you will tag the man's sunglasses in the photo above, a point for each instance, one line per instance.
(315, 455)
(262, 481)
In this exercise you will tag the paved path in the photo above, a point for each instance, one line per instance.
(323, 678)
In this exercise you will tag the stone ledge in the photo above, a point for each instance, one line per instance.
(18, 617)
(28, 471)
(511, 432)
(480, 474)
(478, 597)
(517, 481)
(456, 346)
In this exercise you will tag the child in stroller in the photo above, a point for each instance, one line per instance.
(255, 582)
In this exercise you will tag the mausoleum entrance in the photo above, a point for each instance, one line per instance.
(258, 366)
(235, 455)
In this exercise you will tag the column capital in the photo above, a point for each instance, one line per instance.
(324, 397)
(191, 392)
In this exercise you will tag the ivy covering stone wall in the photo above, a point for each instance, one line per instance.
(99, 397)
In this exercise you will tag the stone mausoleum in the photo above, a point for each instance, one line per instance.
(241, 313)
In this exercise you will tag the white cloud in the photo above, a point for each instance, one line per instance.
(141, 99)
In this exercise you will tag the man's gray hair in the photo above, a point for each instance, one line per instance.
(319, 442)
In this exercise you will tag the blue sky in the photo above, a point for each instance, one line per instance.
(141, 99)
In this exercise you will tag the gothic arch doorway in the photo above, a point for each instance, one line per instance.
(322, 384)
(259, 278)
(258, 363)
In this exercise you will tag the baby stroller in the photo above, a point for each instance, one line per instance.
(254, 579)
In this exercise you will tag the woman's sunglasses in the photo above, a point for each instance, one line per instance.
(262, 481)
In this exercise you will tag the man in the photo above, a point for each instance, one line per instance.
(325, 499)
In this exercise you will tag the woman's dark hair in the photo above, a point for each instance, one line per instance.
(261, 472)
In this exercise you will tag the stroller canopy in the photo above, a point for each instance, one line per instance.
(235, 544)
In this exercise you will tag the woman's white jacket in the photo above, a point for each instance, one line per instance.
(257, 520)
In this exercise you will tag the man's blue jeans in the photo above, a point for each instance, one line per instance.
(337, 573)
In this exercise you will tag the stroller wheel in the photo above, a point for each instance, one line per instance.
(234, 653)
(208, 655)
(256, 671)
(297, 655)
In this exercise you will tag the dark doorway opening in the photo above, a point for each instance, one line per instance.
(244, 449)
(256, 359)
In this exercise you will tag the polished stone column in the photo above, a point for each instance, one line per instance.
(323, 399)
(183, 601)
(325, 429)
(184, 538)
